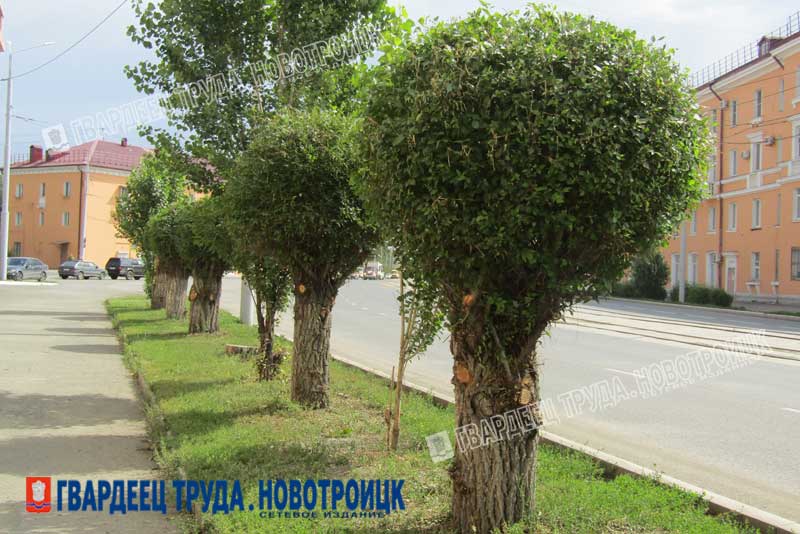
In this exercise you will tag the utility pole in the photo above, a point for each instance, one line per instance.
(4, 220)
(6, 206)
(682, 266)
(246, 304)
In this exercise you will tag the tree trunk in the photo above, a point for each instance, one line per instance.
(158, 296)
(493, 484)
(312, 333)
(266, 327)
(204, 298)
(175, 290)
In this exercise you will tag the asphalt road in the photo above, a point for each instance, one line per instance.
(736, 434)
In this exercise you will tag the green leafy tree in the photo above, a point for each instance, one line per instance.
(522, 160)
(193, 40)
(150, 187)
(292, 189)
(269, 281)
(205, 248)
(161, 239)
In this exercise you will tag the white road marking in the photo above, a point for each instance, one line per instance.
(619, 371)
(791, 410)
(364, 309)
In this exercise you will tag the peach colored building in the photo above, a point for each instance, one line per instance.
(745, 236)
(61, 202)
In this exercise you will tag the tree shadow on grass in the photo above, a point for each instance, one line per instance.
(165, 336)
(167, 389)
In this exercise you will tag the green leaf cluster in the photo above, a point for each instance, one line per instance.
(524, 158)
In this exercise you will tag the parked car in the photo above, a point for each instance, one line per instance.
(128, 268)
(80, 270)
(20, 268)
(374, 271)
(395, 273)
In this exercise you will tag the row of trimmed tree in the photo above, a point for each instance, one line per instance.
(517, 161)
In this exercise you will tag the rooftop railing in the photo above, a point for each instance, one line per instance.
(743, 55)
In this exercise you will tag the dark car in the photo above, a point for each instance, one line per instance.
(126, 267)
(20, 268)
(80, 270)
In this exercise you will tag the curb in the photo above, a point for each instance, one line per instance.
(763, 315)
(150, 402)
(717, 504)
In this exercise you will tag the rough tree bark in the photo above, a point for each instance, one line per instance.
(204, 298)
(312, 333)
(265, 315)
(158, 295)
(493, 485)
(175, 284)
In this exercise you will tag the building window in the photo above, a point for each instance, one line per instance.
(755, 266)
(693, 223)
(42, 190)
(123, 191)
(756, 216)
(757, 104)
(733, 162)
(781, 94)
(714, 120)
(777, 264)
(795, 263)
(755, 157)
(673, 271)
(797, 83)
(778, 211)
(734, 113)
(779, 149)
(18, 219)
(796, 143)
(18, 192)
(65, 218)
(67, 189)
(711, 269)
(17, 249)
(692, 268)
(732, 217)
(712, 219)
(41, 218)
(796, 211)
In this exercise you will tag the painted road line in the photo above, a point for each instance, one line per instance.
(619, 371)
(791, 410)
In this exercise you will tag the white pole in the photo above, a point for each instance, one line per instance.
(4, 220)
(246, 312)
(682, 266)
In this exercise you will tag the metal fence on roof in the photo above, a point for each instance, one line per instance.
(743, 55)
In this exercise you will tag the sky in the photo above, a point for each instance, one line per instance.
(90, 79)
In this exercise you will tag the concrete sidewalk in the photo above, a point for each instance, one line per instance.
(68, 407)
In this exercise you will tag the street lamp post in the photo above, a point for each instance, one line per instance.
(4, 215)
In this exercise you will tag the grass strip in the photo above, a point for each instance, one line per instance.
(224, 424)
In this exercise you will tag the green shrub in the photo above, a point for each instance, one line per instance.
(696, 294)
(650, 275)
(624, 290)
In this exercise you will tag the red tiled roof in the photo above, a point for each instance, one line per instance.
(97, 153)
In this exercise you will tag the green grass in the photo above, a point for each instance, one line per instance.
(220, 423)
(783, 312)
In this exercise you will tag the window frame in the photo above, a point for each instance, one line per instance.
(794, 272)
(733, 215)
(755, 217)
(755, 266)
